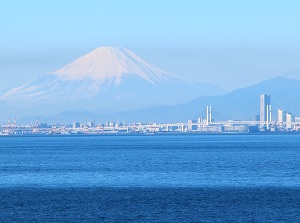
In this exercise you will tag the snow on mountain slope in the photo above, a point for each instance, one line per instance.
(87, 76)
(113, 77)
(51, 89)
(108, 63)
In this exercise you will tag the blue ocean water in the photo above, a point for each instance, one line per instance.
(150, 178)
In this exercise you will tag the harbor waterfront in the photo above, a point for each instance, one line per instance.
(189, 127)
(150, 178)
(286, 122)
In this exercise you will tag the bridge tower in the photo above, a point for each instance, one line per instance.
(208, 115)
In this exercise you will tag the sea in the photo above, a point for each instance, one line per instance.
(150, 178)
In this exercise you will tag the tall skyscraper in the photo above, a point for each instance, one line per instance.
(265, 107)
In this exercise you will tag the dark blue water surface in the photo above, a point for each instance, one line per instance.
(150, 178)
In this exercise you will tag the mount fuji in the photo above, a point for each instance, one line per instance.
(108, 77)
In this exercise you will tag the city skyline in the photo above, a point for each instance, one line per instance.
(285, 122)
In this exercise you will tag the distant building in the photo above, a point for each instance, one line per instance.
(112, 124)
(76, 125)
(281, 116)
(199, 120)
(289, 118)
(265, 108)
(191, 125)
(91, 124)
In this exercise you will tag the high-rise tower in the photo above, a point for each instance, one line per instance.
(265, 108)
(281, 116)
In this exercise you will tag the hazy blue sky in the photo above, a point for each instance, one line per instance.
(230, 43)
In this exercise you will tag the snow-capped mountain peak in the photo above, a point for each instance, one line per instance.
(110, 63)
(110, 77)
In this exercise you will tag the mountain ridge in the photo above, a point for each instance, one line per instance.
(240, 104)
(111, 77)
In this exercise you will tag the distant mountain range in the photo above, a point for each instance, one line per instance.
(113, 83)
(240, 104)
(108, 78)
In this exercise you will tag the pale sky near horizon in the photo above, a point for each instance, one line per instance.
(230, 43)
